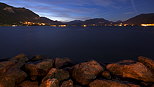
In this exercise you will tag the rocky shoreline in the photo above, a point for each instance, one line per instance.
(40, 71)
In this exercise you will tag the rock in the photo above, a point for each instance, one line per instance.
(16, 74)
(86, 72)
(107, 83)
(58, 74)
(68, 83)
(7, 82)
(50, 83)
(61, 62)
(5, 65)
(152, 85)
(28, 84)
(11, 74)
(133, 85)
(37, 58)
(147, 62)
(39, 69)
(20, 58)
(130, 69)
(106, 74)
(12, 77)
(146, 84)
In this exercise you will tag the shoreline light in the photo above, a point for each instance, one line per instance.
(145, 25)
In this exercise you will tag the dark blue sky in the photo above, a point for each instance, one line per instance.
(67, 10)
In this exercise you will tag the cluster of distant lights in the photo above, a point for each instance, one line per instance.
(33, 23)
(64, 25)
(146, 25)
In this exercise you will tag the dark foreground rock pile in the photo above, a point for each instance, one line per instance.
(40, 71)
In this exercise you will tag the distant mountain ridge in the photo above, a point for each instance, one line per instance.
(141, 19)
(95, 21)
(75, 22)
(9, 14)
(13, 15)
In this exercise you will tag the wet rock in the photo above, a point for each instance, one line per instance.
(106, 74)
(147, 62)
(50, 83)
(85, 72)
(130, 69)
(58, 74)
(61, 62)
(12, 77)
(107, 83)
(28, 84)
(39, 69)
(68, 83)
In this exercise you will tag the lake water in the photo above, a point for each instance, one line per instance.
(106, 44)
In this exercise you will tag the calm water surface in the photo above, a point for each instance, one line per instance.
(106, 44)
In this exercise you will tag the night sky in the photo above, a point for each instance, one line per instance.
(68, 10)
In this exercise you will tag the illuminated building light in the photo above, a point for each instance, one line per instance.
(14, 25)
(43, 24)
(84, 25)
(125, 24)
(147, 25)
(93, 24)
(62, 25)
(120, 24)
(33, 23)
(53, 25)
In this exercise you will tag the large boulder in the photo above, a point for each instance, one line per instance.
(5, 65)
(12, 77)
(86, 72)
(39, 69)
(20, 60)
(68, 83)
(147, 62)
(131, 69)
(58, 74)
(109, 83)
(50, 83)
(28, 84)
(62, 62)
(10, 73)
